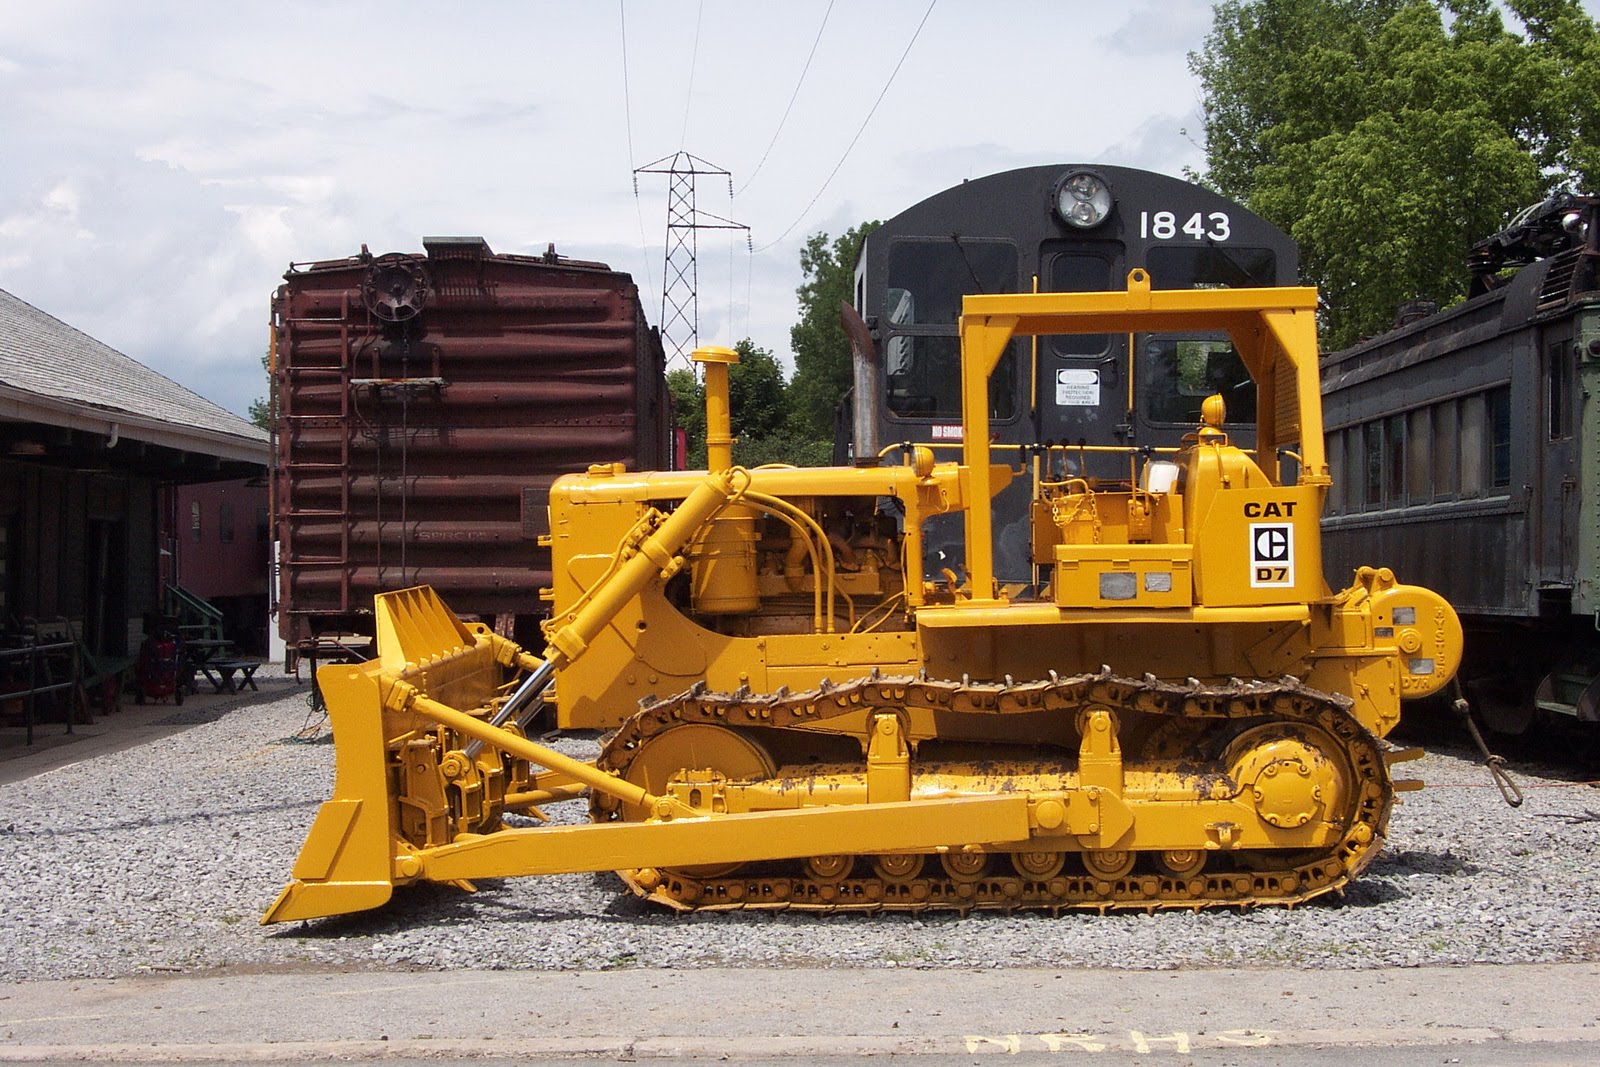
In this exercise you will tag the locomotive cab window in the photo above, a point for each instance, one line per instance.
(927, 280)
(1178, 373)
(925, 379)
(1211, 267)
(935, 275)
(1077, 272)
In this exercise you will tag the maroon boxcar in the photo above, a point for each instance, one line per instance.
(425, 404)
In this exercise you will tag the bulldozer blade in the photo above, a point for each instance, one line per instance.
(346, 864)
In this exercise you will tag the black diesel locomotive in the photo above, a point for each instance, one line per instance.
(1465, 448)
(1054, 400)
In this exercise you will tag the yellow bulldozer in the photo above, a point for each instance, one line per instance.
(1178, 712)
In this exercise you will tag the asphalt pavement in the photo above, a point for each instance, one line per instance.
(1512, 1014)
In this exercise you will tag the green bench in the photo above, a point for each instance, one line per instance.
(220, 674)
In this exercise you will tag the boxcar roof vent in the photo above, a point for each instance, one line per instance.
(456, 247)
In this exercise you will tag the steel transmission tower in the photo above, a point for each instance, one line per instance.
(680, 277)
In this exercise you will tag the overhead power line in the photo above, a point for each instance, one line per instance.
(792, 97)
(627, 114)
(862, 129)
(694, 57)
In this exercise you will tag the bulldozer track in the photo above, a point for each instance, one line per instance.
(1256, 877)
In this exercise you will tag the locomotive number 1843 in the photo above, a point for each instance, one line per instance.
(1201, 226)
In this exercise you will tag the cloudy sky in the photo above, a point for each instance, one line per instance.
(161, 163)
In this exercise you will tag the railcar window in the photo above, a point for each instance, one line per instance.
(1558, 366)
(1373, 467)
(225, 522)
(1180, 372)
(1418, 437)
(1354, 479)
(1394, 468)
(924, 376)
(1350, 491)
(1474, 443)
(1071, 272)
(194, 521)
(1333, 444)
(1211, 267)
(1498, 403)
(1445, 446)
(935, 275)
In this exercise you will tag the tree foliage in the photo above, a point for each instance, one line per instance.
(822, 372)
(1386, 136)
(264, 409)
(758, 410)
(689, 413)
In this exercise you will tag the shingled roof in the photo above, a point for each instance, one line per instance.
(56, 375)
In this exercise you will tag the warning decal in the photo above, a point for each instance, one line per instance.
(1271, 554)
(1077, 388)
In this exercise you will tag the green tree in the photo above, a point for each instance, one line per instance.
(1386, 138)
(689, 412)
(263, 409)
(822, 373)
(757, 398)
(755, 392)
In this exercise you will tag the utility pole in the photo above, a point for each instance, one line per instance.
(680, 278)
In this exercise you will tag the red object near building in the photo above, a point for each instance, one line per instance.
(219, 535)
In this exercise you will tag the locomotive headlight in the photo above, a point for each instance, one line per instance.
(1082, 199)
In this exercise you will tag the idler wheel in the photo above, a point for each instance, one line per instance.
(1040, 866)
(1110, 863)
(898, 867)
(695, 747)
(965, 866)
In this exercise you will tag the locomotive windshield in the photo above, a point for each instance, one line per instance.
(1211, 267)
(1177, 373)
(1180, 372)
(927, 280)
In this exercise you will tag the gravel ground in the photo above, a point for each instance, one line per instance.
(162, 858)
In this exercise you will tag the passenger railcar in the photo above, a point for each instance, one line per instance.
(1054, 400)
(425, 404)
(1465, 449)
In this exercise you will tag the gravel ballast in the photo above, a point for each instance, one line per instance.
(163, 857)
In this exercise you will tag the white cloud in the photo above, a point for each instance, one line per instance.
(1155, 28)
(164, 161)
